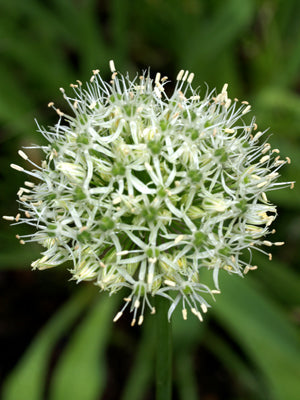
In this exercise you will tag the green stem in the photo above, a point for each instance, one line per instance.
(163, 350)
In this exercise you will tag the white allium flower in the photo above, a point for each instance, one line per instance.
(141, 190)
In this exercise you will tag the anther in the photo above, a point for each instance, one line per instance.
(141, 319)
(267, 243)
(22, 241)
(257, 136)
(229, 130)
(17, 167)
(169, 283)
(133, 322)
(122, 253)
(157, 77)
(180, 75)
(197, 313)
(191, 77)
(247, 109)
(51, 104)
(178, 239)
(203, 307)
(23, 155)
(184, 314)
(185, 76)
(262, 184)
(224, 89)
(117, 200)
(266, 149)
(288, 160)
(8, 218)
(270, 256)
(292, 185)
(29, 184)
(136, 304)
(227, 103)
(112, 66)
(264, 196)
(92, 105)
(279, 243)
(264, 159)
(18, 217)
(246, 270)
(118, 316)
(59, 112)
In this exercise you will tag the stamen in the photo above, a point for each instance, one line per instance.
(23, 155)
(191, 77)
(112, 66)
(204, 307)
(17, 167)
(118, 316)
(246, 110)
(170, 283)
(185, 76)
(180, 75)
(8, 218)
(179, 239)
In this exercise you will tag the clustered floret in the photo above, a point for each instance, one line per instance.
(141, 190)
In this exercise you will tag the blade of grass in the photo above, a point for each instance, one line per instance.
(141, 373)
(81, 371)
(27, 380)
(264, 333)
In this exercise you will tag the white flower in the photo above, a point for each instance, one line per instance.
(141, 190)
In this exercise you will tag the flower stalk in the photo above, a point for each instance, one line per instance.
(163, 351)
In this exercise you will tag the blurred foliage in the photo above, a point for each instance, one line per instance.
(250, 334)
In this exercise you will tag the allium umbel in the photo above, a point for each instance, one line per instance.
(141, 190)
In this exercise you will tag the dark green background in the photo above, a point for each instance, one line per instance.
(57, 338)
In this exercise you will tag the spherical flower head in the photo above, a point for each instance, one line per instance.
(141, 190)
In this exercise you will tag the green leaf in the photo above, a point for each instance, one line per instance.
(187, 337)
(142, 370)
(263, 332)
(27, 380)
(81, 371)
(236, 366)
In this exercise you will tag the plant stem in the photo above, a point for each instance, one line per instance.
(163, 350)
